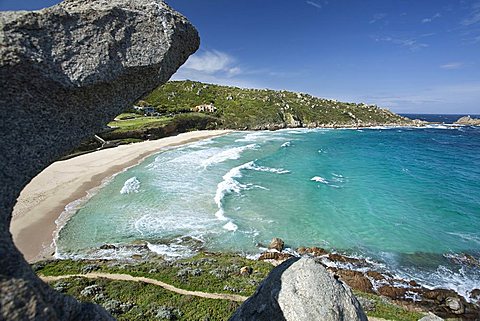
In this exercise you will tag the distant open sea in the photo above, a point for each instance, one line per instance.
(407, 199)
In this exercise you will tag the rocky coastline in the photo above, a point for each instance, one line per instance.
(359, 274)
(362, 276)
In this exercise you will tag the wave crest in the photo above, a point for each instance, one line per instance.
(131, 185)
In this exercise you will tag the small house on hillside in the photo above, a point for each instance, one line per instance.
(206, 108)
(146, 110)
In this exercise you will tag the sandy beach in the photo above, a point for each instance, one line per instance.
(45, 197)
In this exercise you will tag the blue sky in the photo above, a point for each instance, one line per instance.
(409, 56)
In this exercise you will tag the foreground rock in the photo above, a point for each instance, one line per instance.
(300, 289)
(66, 71)
(469, 121)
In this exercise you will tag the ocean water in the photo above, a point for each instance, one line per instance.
(407, 199)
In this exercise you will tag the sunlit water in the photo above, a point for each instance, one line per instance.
(406, 198)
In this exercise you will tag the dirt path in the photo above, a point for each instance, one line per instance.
(126, 277)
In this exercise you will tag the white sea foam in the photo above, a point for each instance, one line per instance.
(261, 136)
(258, 168)
(131, 185)
(231, 185)
(231, 153)
(171, 251)
(228, 185)
(155, 223)
(467, 237)
(286, 144)
(319, 179)
(252, 137)
(230, 226)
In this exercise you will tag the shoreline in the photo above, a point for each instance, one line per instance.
(44, 199)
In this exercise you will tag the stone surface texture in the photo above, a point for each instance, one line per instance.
(431, 317)
(65, 71)
(301, 289)
(469, 121)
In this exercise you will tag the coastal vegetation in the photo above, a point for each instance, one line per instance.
(171, 109)
(205, 272)
(239, 108)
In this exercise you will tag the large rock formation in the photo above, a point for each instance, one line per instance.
(65, 71)
(469, 121)
(300, 289)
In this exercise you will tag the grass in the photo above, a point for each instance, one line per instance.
(206, 272)
(240, 108)
(386, 310)
(139, 123)
(139, 301)
(218, 273)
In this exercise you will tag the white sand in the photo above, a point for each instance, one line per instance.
(45, 197)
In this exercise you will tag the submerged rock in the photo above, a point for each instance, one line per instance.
(301, 289)
(66, 71)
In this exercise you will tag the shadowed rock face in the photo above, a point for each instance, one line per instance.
(300, 289)
(66, 71)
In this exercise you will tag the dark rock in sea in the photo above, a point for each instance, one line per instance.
(377, 276)
(443, 302)
(475, 295)
(276, 244)
(356, 280)
(314, 251)
(345, 259)
(65, 72)
(464, 259)
(108, 247)
(322, 296)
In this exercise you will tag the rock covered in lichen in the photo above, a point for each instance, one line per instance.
(301, 289)
(66, 71)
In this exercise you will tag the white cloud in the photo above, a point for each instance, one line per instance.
(411, 44)
(315, 4)
(211, 62)
(474, 16)
(434, 100)
(430, 19)
(452, 65)
(377, 17)
(216, 67)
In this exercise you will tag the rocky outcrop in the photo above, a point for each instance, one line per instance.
(300, 289)
(469, 121)
(65, 71)
(431, 317)
(276, 244)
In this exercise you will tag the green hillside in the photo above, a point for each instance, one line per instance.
(239, 108)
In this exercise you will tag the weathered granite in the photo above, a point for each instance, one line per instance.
(469, 121)
(65, 71)
(431, 317)
(301, 289)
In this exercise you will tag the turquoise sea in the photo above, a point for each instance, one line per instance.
(407, 199)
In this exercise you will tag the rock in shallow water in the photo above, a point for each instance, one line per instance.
(300, 289)
(65, 71)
